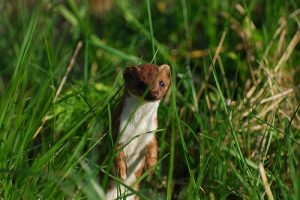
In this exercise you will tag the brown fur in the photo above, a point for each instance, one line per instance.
(151, 156)
(138, 174)
(120, 163)
(156, 121)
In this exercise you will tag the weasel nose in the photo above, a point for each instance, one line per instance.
(152, 95)
(155, 95)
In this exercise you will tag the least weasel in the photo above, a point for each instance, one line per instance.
(135, 122)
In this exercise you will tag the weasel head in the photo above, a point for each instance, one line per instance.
(147, 80)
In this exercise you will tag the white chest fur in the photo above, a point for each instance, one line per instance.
(137, 126)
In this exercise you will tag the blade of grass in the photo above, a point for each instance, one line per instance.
(94, 40)
(151, 30)
(24, 56)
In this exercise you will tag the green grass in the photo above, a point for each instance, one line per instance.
(233, 105)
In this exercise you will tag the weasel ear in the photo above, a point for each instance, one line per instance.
(165, 68)
(128, 72)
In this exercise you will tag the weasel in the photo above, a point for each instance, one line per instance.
(135, 122)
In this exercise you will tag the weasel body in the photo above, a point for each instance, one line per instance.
(135, 121)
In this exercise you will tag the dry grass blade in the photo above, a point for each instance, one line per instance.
(280, 31)
(288, 51)
(70, 66)
(265, 181)
(277, 96)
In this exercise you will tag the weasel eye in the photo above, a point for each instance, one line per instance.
(161, 83)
